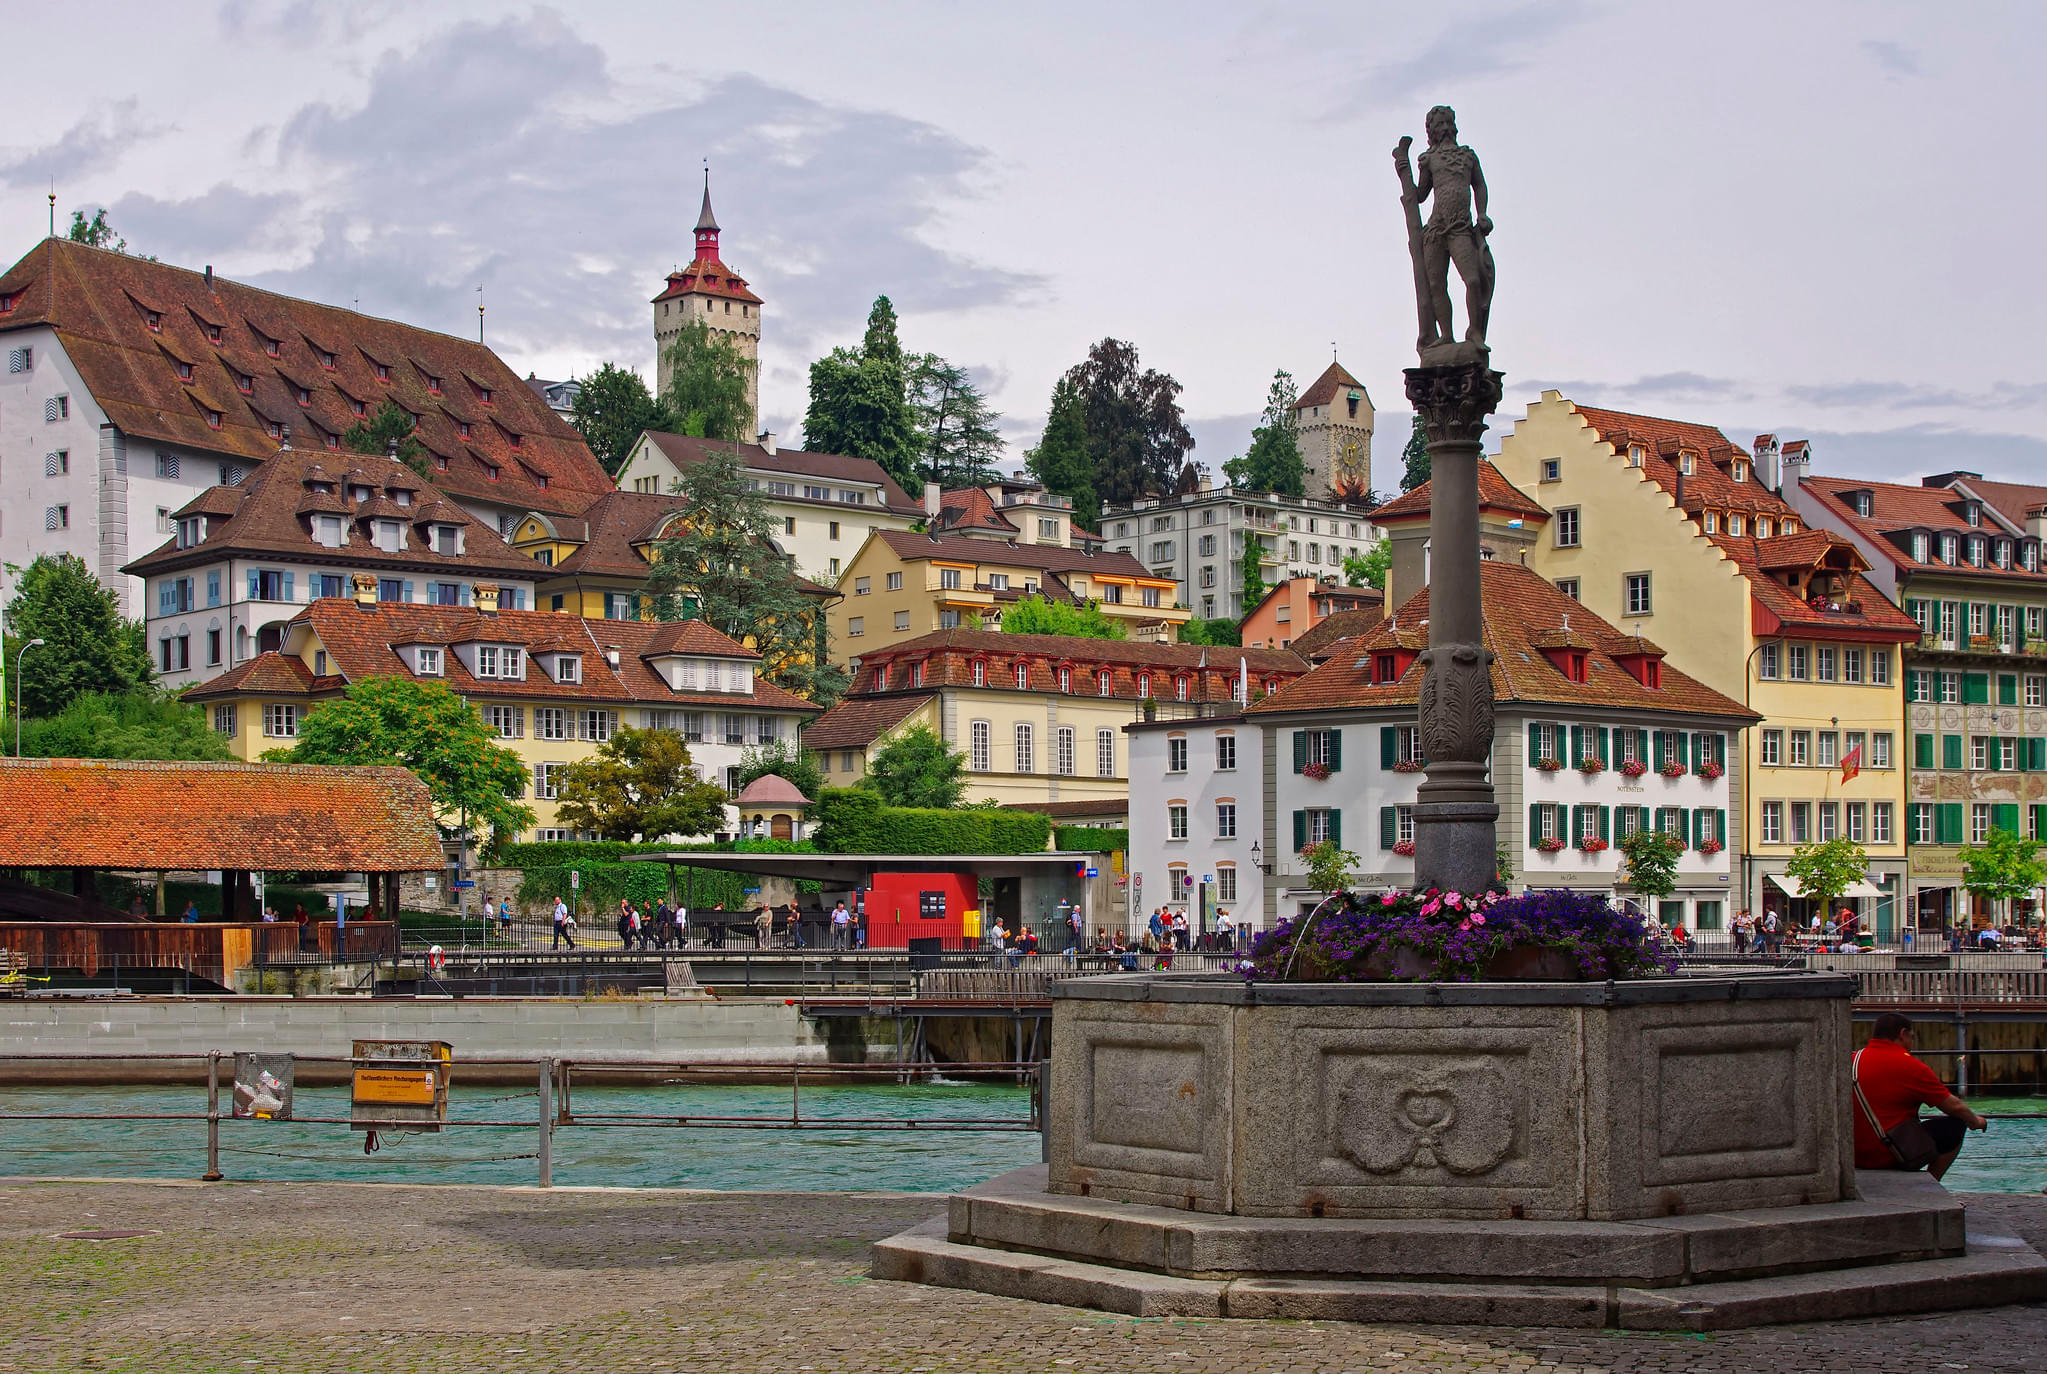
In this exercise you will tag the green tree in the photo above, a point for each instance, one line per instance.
(707, 382)
(859, 402)
(786, 759)
(1034, 615)
(2005, 867)
(957, 443)
(1061, 458)
(612, 409)
(1827, 869)
(87, 646)
(1652, 857)
(1137, 439)
(1329, 866)
(426, 727)
(1220, 632)
(131, 725)
(917, 768)
(1273, 462)
(392, 422)
(1251, 571)
(1368, 569)
(640, 785)
(720, 564)
(96, 232)
(1415, 456)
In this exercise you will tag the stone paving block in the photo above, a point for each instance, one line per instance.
(1427, 1303)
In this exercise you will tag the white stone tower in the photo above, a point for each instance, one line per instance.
(707, 290)
(1334, 420)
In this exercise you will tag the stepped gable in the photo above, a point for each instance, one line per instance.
(1711, 480)
(270, 514)
(1523, 614)
(195, 359)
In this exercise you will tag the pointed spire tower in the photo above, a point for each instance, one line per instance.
(706, 291)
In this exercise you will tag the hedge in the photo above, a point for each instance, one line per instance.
(604, 884)
(852, 820)
(1096, 839)
(543, 854)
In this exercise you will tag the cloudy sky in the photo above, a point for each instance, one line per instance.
(1814, 219)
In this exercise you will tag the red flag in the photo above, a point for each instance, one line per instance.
(1851, 763)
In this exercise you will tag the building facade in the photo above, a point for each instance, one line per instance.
(1333, 420)
(1196, 541)
(1039, 718)
(1962, 556)
(132, 387)
(1298, 605)
(554, 687)
(705, 290)
(1655, 523)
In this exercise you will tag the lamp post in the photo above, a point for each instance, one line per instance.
(32, 644)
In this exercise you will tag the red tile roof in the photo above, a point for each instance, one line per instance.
(120, 813)
(970, 508)
(1495, 492)
(2015, 502)
(1520, 608)
(1864, 614)
(913, 547)
(1333, 628)
(771, 789)
(685, 449)
(1710, 484)
(99, 302)
(1898, 510)
(1335, 378)
(708, 278)
(858, 722)
(948, 657)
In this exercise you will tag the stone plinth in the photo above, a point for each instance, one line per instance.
(1538, 1101)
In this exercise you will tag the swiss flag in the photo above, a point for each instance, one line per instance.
(1851, 763)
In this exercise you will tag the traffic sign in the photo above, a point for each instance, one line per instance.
(1094, 873)
(575, 878)
(463, 882)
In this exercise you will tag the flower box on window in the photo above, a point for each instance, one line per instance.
(1317, 771)
(1589, 766)
(1551, 845)
(1709, 770)
(1549, 765)
(1405, 848)
(1634, 768)
(1591, 844)
(1409, 766)
(1672, 769)
(1710, 846)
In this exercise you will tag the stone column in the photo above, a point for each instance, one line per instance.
(1455, 816)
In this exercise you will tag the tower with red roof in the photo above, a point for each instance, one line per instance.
(706, 290)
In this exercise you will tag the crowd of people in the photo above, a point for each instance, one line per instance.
(657, 925)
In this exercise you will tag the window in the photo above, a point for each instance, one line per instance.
(834, 534)
(1161, 550)
(1552, 469)
(1798, 656)
(1801, 822)
(175, 653)
(1950, 688)
(1829, 749)
(547, 780)
(1919, 817)
(1206, 548)
(1226, 820)
(998, 582)
(550, 722)
(1225, 753)
(1773, 822)
(1065, 679)
(1149, 596)
(1567, 527)
(57, 517)
(1771, 754)
(2036, 691)
(508, 721)
(862, 585)
(57, 408)
(902, 620)
(20, 359)
(281, 720)
(1176, 754)
(1105, 683)
(1176, 821)
(1062, 751)
(444, 593)
(1880, 822)
(1734, 523)
(1830, 820)
(568, 668)
(429, 662)
(1880, 749)
(1801, 748)
(1769, 662)
(1979, 822)
(1979, 753)
(1637, 593)
(1026, 757)
(1823, 658)
(856, 627)
(598, 725)
(1023, 677)
(1851, 665)
(1105, 753)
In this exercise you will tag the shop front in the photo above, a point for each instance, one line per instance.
(1876, 900)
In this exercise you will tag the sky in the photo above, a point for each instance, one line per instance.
(1759, 216)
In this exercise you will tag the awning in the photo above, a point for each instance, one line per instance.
(1793, 887)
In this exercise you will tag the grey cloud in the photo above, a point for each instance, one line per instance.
(304, 22)
(205, 227)
(1470, 49)
(1897, 61)
(1660, 386)
(1914, 396)
(87, 146)
(1907, 453)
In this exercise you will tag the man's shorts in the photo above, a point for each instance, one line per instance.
(1947, 1132)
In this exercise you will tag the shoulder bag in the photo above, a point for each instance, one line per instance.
(1911, 1144)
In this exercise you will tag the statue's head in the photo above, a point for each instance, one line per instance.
(1441, 125)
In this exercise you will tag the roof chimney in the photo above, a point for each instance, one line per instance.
(766, 440)
(365, 587)
(931, 495)
(391, 449)
(485, 598)
(209, 276)
(284, 436)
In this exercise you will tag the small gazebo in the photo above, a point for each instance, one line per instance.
(771, 808)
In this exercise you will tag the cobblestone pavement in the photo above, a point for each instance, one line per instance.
(321, 1277)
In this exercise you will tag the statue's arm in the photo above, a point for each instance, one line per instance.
(1478, 198)
(1424, 180)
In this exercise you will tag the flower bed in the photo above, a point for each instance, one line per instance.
(1551, 845)
(1404, 848)
(1634, 768)
(1549, 765)
(1438, 936)
(1592, 765)
(1710, 846)
(1672, 769)
(1591, 844)
(1409, 766)
(1710, 771)
(1317, 771)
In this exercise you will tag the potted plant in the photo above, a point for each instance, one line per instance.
(1409, 766)
(1151, 708)
(1709, 770)
(1317, 771)
(1709, 846)
(1404, 848)
(1549, 765)
(1672, 769)
(1550, 845)
(1591, 844)
(1633, 768)
(1591, 764)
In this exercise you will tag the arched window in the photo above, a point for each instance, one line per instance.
(917, 674)
(1065, 679)
(1026, 754)
(1180, 687)
(881, 677)
(980, 672)
(977, 754)
(1144, 684)
(1023, 677)
(1105, 682)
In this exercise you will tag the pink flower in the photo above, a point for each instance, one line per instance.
(1453, 899)
(1431, 908)
(1465, 924)
(1475, 920)
(1388, 899)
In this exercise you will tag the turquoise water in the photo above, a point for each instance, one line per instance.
(2010, 1158)
(775, 1160)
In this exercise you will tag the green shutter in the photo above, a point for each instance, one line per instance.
(1534, 823)
(1389, 828)
(1684, 826)
(1300, 829)
(1336, 827)
(1702, 824)
(2036, 755)
(1335, 750)
(1922, 751)
(1389, 749)
(1681, 742)
(2007, 689)
(1720, 825)
(1605, 746)
(1993, 756)
(1300, 754)
(1577, 746)
(2005, 816)
(1948, 823)
(1975, 689)
(1606, 819)
(1720, 749)
(1534, 742)
(1950, 751)
(2040, 822)
(1577, 821)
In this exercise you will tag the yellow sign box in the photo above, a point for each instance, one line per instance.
(396, 1087)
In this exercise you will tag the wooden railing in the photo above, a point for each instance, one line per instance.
(1953, 987)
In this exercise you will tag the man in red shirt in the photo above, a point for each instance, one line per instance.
(1895, 1085)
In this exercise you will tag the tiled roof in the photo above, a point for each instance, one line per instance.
(1335, 378)
(1520, 607)
(947, 658)
(1872, 617)
(771, 789)
(2014, 501)
(913, 547)
(271, 517)
(1897, 510)
(1709, 484)
(363, 641)
(1332, 629)
(970, 508)
(858, 722)
(120, 813)
(685, 449)
(1078, 648)
(707, 277)
(609, 529)
(271, 675)
(1495, 492)
(99, 302)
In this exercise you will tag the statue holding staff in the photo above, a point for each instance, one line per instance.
(1455, 233)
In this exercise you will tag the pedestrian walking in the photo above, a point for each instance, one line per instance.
(842, 921)
(561, 925)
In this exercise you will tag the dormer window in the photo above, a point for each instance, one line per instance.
(1182, 685)
(433, 386)
(427, 662)
(1144, 684)
(1066, 679)
(514, 666)
(333, 440)
(1740, 471)
(1385, 669)
(7, 301)
(382, 370)
(1972, 512)
(540, 480)
(154, 320)
(1921, 546)
(1684, 463)
(213, 334)
(191, 531)
(1712, 522)
(440, 463)
(358, 407)
(1023, 677)
(568, 668)
(390, 535)
(1950, 549)
(881, 677)
(462, 428)
(486, 660)
(1862, 502)
(516, 440)
(326, 360)
(327, 531)
(1976, 542)
(401, 496)
(490, 470)
(2004, 553)
(213, 419)
(979, 672)
(1762, 527)
(245, 385)
(916, 674)
(447, 539)
(360, 493)
(1734, 524)
(1634, 455)
(273, 429)
(486, 395)
(304, 397)
(2029, 556)
(270, 345)
(1105, 683)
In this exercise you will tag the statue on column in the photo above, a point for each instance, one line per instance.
(1455, 233)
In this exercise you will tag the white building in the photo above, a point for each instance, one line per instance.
(1196, 819)
(1198, 541)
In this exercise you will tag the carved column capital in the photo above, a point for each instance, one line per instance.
(1454, 401)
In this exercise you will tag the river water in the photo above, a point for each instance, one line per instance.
(2010, 1158)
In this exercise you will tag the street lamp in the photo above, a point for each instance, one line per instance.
(32, 644)
(1255, 858)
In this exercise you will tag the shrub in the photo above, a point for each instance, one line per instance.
(1095, 839)
(853, 820)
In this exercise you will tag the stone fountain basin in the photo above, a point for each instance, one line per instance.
(1537, 1101)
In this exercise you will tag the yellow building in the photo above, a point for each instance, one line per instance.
(1039, 717)
(554, 687)
(901, 586)
(1665, 529)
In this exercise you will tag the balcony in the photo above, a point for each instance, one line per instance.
(1043, 498)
